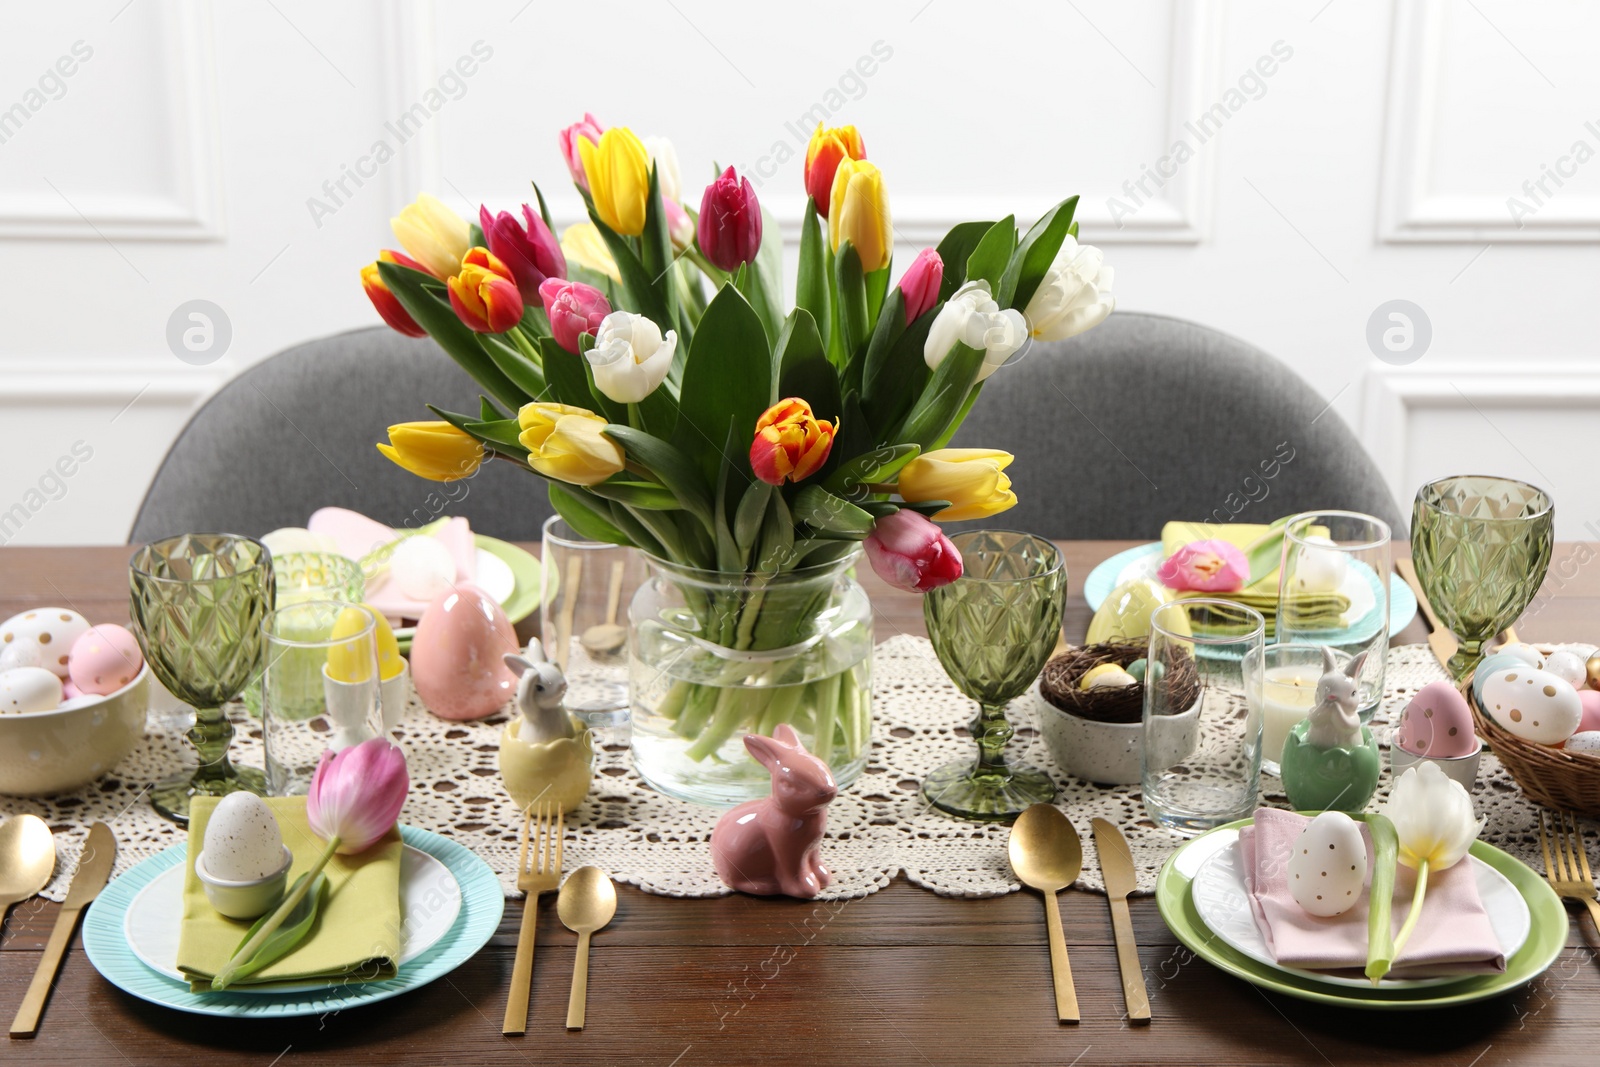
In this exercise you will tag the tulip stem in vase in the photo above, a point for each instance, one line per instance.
(225, 977)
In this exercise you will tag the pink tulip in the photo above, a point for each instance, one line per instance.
(920, 284)
(590, 130)
(573, 309)
(680, 227)
(1207, 567)
(356, 794)
(911, 553)
(528, 248)
(730, 222)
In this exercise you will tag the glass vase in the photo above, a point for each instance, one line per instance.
(714, 656)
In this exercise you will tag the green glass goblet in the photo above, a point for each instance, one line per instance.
(1481, 546)
(197, 602)
(993, 629)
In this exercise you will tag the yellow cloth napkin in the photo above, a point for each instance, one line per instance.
(356, 936)
(1314, 611)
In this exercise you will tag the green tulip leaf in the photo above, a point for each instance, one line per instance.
(851, 286)
(1034, 255)
(590, 518)
(803, 367)
(636, 494)
(926, 508)
(777, 537)
(655, 248)
(729, 557)
(765, 279)
(671, 468)
(943, 397)
(851, 478)
(752, 510)
(955, 250)
(287, 937)
(894, 383)
(812, 283)
(645, 290)
(524, 372)
(544, 212)
(434, 314)
(487, 411)
(728, 374)
(877, 289)
(501, 434)
(831, 515)
(988, 260)
(570, 381)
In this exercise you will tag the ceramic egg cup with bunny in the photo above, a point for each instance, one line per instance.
(546, 756)
(1330, 760)
(772, 846)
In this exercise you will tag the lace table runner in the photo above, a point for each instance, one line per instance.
(877, 829)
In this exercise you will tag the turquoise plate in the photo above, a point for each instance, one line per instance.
(1546, 938)
(482, 902)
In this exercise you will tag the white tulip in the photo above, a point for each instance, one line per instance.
(630, 357)
(665, 157)
(1075, 295)
(972, 317)
(1432, 816)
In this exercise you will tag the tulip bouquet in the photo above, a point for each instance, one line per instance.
(647, 366)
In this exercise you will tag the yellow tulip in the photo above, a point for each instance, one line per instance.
(568, 443)
(583, 246)
(858, 212)
(972, 479)
(434, 235)
(433, 450)
(618, 169)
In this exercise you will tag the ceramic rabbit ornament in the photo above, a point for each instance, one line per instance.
(1330, 761)
(540, 691)
(1335, 722)
(770, 846)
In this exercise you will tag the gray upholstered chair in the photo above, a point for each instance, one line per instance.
(1148, 418)
(297, 431)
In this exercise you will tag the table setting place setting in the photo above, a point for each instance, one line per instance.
(376, 761)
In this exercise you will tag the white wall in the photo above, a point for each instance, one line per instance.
(179, 160)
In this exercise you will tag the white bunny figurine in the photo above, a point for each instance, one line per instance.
(539, 695)
(1334, 720)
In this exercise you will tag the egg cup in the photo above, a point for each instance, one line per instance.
(538, 772)
(245, 900)
(1463, 769)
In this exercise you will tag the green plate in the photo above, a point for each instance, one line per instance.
(525, 568)
(1546, 938)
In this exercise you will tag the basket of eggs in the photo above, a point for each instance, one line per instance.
(1539, 709)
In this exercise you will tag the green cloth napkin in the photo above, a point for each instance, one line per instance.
(1312, 611)
(356, 937)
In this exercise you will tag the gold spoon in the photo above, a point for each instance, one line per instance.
(586, 902)
(27, 859)
(1047, 855)
(607, 638)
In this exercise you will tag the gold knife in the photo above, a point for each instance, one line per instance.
(94, 870)
(1440, 639)
(1116, 867)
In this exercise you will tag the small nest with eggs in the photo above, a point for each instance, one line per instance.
(1122, 704)
(1547, 775)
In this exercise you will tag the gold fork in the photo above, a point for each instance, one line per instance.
(538, 873)
(1562, 874)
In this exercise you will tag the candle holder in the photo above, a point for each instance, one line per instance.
(1289, 688)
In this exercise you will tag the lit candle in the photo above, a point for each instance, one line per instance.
(1288, 696)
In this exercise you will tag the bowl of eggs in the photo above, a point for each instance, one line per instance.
(1538, 707)
(73, 699)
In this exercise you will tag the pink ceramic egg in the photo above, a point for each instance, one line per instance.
(104, 659)
(1437, 723)
(457, 655)
(1590, 700)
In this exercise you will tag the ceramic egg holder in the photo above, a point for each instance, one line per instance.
(1436, 727)
(545, 758)
(1330, 760)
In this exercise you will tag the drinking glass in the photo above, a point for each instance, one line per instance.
(197, 601)
(1481, 546)
(318, 576)
(583, 615)
(1333, 589)
(1210, 679)
(993, 629)
(319, 688)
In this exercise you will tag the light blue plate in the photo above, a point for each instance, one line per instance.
(1103, 579)
(482, 902)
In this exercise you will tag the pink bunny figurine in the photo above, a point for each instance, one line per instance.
(770, 846)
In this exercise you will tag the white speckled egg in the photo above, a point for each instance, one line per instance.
(1568, 666)
(27, 689)
(1329, 865)
(51, 630)
(20, 654)
(1586, 741)
(1525, 652)
(242, 841)
(1535, 705)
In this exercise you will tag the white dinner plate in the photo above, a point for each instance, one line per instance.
(430, 900)
(1223, 902)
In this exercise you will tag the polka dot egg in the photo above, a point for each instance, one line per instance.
(1535, 705)
(104, 659)
(51, 632)
(1329, 865)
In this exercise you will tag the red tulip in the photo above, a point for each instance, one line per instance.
(791, 443)
(911, 553)
(392, 311)
(730, 222)
(357, 793)
(920, 284)
(587, 130)
(528, 248)
(823, 155)
(573, 309)
(484, 293)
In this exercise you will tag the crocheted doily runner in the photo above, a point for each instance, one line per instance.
(877, 828)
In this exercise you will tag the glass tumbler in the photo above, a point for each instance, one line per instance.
(586, 587)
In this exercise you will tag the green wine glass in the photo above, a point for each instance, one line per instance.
(197, 604)
(993, 629)
(1481, 546)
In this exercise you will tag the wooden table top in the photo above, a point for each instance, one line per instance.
(902, 976)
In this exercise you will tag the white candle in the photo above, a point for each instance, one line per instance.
(1288, 696)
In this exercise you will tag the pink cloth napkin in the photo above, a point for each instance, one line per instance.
(1453, 936)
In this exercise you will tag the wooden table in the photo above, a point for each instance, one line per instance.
(901, 977)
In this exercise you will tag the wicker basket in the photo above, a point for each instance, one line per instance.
(1553, 777)
(1122, 704)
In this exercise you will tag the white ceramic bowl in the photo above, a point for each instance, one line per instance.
(1107, 752)
(47, 752)
(1463, 769)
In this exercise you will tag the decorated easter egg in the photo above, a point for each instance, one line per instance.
(28, 689)
(1318, 569)
(242, 841)
(1568, 666)
(457, 663)
(1590, 702)
(1329, 865)
(1106, 676)
(1438, 723)
(1584, 741)
(1592, 667)
(1126, 612)
(20, 654)
(1525, 652)
(104, 659)
(1532, 704)
(51, 631)
(1493, 663)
